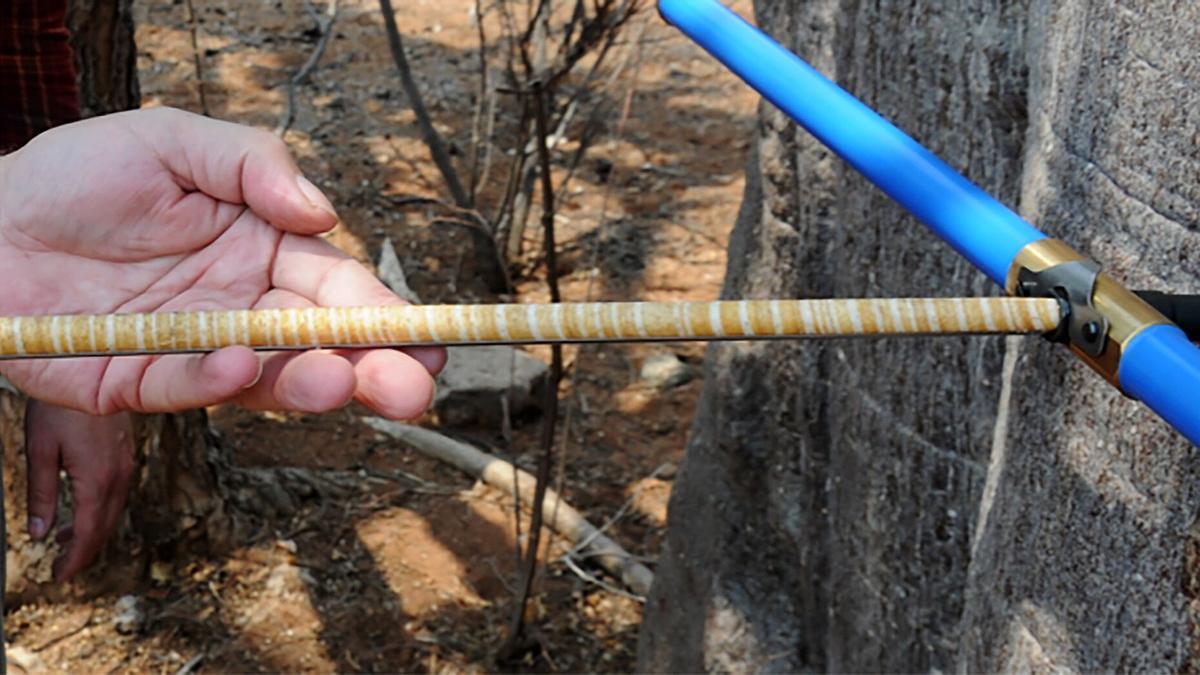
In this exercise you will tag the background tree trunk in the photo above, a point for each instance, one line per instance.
(907, 505)
(102, 33)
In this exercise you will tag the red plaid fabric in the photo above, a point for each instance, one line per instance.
(37, 70)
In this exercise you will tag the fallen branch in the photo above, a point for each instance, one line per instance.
(569, 561)
(558, 515)
(325, 29)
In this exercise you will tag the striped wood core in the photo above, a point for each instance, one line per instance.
(272, 329)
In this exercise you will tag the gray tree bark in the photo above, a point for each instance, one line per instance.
(906, 505)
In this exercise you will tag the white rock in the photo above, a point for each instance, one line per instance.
(471, 388)
(391, 273)
(22, 660)
(127, 615)
(476, 379)
(666, 371)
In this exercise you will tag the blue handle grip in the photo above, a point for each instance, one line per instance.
(1159, 367)
(1162, 369)
(982, 229)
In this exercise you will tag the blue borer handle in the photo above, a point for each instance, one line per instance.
(1159, 366)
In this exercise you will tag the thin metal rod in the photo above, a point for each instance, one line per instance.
(276, 329)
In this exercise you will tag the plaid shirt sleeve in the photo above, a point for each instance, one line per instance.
(37, 71)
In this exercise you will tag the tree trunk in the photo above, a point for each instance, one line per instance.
(973, 503)
(102, 33)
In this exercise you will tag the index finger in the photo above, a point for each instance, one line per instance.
(314, 269)
(87, 532)
(326, 276)
(235, 164)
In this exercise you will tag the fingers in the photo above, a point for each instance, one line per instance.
(98, 512)
(432, 358)
(397, 384)
(316, 381)
(42, 458)
(236, 164)
(183, 382)
(315, 270)
(388, 381)
(97, 454)
(392, 383)
(88, 532)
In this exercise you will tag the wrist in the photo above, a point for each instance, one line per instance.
(5, 161)
(6, 199)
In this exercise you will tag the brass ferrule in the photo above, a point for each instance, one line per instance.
(1128, 315)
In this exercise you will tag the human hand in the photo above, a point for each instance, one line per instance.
(97, 455)
(161, 210)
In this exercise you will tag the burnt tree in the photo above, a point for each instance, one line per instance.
(950, 503)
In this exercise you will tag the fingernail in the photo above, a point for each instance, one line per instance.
(315, 197)
(37, 528)
(256, 377)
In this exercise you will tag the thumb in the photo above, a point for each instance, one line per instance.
(236, 164)
(42, 456)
